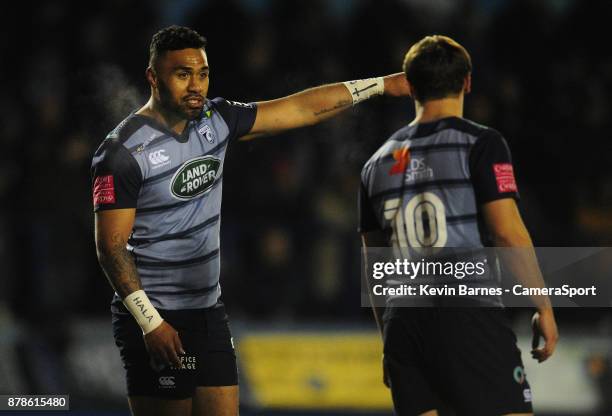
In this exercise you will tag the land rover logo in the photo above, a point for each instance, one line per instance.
(195, 177)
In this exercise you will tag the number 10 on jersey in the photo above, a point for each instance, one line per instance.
(421, 223)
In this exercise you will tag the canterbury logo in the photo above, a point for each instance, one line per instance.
(158, 157)
(166, 381)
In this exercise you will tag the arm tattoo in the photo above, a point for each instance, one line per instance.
(119, 267)
(339, 105)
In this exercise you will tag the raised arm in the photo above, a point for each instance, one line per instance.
(507, 229)
(314, 105)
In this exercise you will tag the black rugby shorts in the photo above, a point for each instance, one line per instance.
(464, 359)
(210, 359)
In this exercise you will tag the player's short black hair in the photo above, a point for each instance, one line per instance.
(173, 38)
(436, 67)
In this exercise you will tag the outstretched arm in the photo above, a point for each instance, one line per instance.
(314, 105)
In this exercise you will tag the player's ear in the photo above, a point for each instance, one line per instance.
(151, 77)
(467, 83)
(410, 89)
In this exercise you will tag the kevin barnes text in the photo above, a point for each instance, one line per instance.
(466, 290)
(429, 290)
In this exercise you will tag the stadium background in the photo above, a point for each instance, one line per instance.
(542, 76)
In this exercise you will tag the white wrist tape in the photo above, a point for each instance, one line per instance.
(143, 311)
(362, 89)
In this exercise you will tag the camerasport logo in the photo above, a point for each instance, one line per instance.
(195, 177)
(167, 382)
(504, 176)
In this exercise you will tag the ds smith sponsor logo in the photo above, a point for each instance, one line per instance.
(418, 170)
(167, 382)
(402, 157)
(158, 158)
(195, 177)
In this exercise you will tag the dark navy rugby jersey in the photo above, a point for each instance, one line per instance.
(425, 184)
(175, 183)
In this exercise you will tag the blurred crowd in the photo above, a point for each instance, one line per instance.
(290, 250)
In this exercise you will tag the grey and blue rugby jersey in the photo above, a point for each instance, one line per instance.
(424, 188)
(175, 183)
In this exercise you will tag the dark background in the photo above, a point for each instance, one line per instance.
(72, 70)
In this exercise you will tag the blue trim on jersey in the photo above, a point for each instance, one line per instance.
(137, 241)
(161, 139)
(424, 185)
(152, 210)
(184, 292)
(462, 218)
(422, 130)
(177, 264)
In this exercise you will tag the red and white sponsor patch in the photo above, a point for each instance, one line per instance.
(504, 176)
(104, 190)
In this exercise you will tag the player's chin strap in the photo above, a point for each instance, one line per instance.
(143, 311)
(362, 89)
